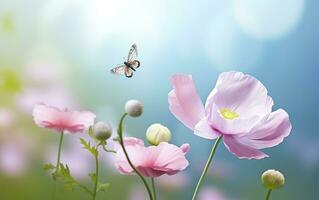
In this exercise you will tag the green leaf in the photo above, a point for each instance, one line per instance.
(48, 167)
(65, 175)
(86, 145)
(93, 177)
(103, 187)
(91, 132)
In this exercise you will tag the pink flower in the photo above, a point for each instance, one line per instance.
(238, 108)
(152, 161)
(62, 120)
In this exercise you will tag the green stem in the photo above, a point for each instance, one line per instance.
(96, 173)
(153, 187)
(268, 194)
(59, 154)
(120, 133)
(210, 158)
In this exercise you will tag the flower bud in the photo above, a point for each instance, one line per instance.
(272, 179)
(102, 130)
(134, 108)
(158, 133)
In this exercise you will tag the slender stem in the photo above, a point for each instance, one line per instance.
(59, 153)
(120, 133)
(153, 187)
(96, 173)
(57, 166)
(268, 194)
(210, 158)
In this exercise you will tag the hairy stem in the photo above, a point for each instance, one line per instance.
(210, 158)
(120, 134)
(96, 156)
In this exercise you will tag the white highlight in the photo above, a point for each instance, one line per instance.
(268, 19)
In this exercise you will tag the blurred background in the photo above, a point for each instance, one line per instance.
(60, 52)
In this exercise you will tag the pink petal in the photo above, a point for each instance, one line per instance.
(241, 150)
(62, 120)
(204, 130)
(152, 161)
(241, 93)
(80, 121)
(170, 156)
(132, 141)
(269, 132)
(185, 148)
(43, 115)
(230, 127)
(184, 101)
(137, 155)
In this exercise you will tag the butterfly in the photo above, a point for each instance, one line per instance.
(130, 65)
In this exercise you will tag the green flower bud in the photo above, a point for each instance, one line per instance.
(158, 133)
(134, 108)
(272, 179)
(102, 130)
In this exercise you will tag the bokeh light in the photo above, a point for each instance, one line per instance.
(268, 19)
(60, 52)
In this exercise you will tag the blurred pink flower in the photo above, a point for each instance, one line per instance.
(15, 155)
(210, 193)
(62, 120)
(7, 118)
(238, 108)
(152, 161)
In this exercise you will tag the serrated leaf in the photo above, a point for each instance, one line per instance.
(93, 177)
(86, 145)
(103, 187)
(48, 167)
(64, 174)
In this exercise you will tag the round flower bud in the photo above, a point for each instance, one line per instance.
(158, 133)
(102, 130)
(272, 179)
(134, 108)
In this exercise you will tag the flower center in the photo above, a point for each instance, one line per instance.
(228, 114)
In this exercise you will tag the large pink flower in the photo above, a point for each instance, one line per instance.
(62, 120)
(152, 161)
(238, 108)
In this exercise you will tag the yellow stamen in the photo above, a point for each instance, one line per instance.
(228, 114)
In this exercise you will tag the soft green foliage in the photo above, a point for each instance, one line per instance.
(103, 187)
(93, 177)
(87, 146)
(48, 167)
(63, 172)
(65, 175)
(91, 133)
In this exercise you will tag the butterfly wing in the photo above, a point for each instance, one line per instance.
(128, 72)
(134, 64)
(132, 54)
(120, 70)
